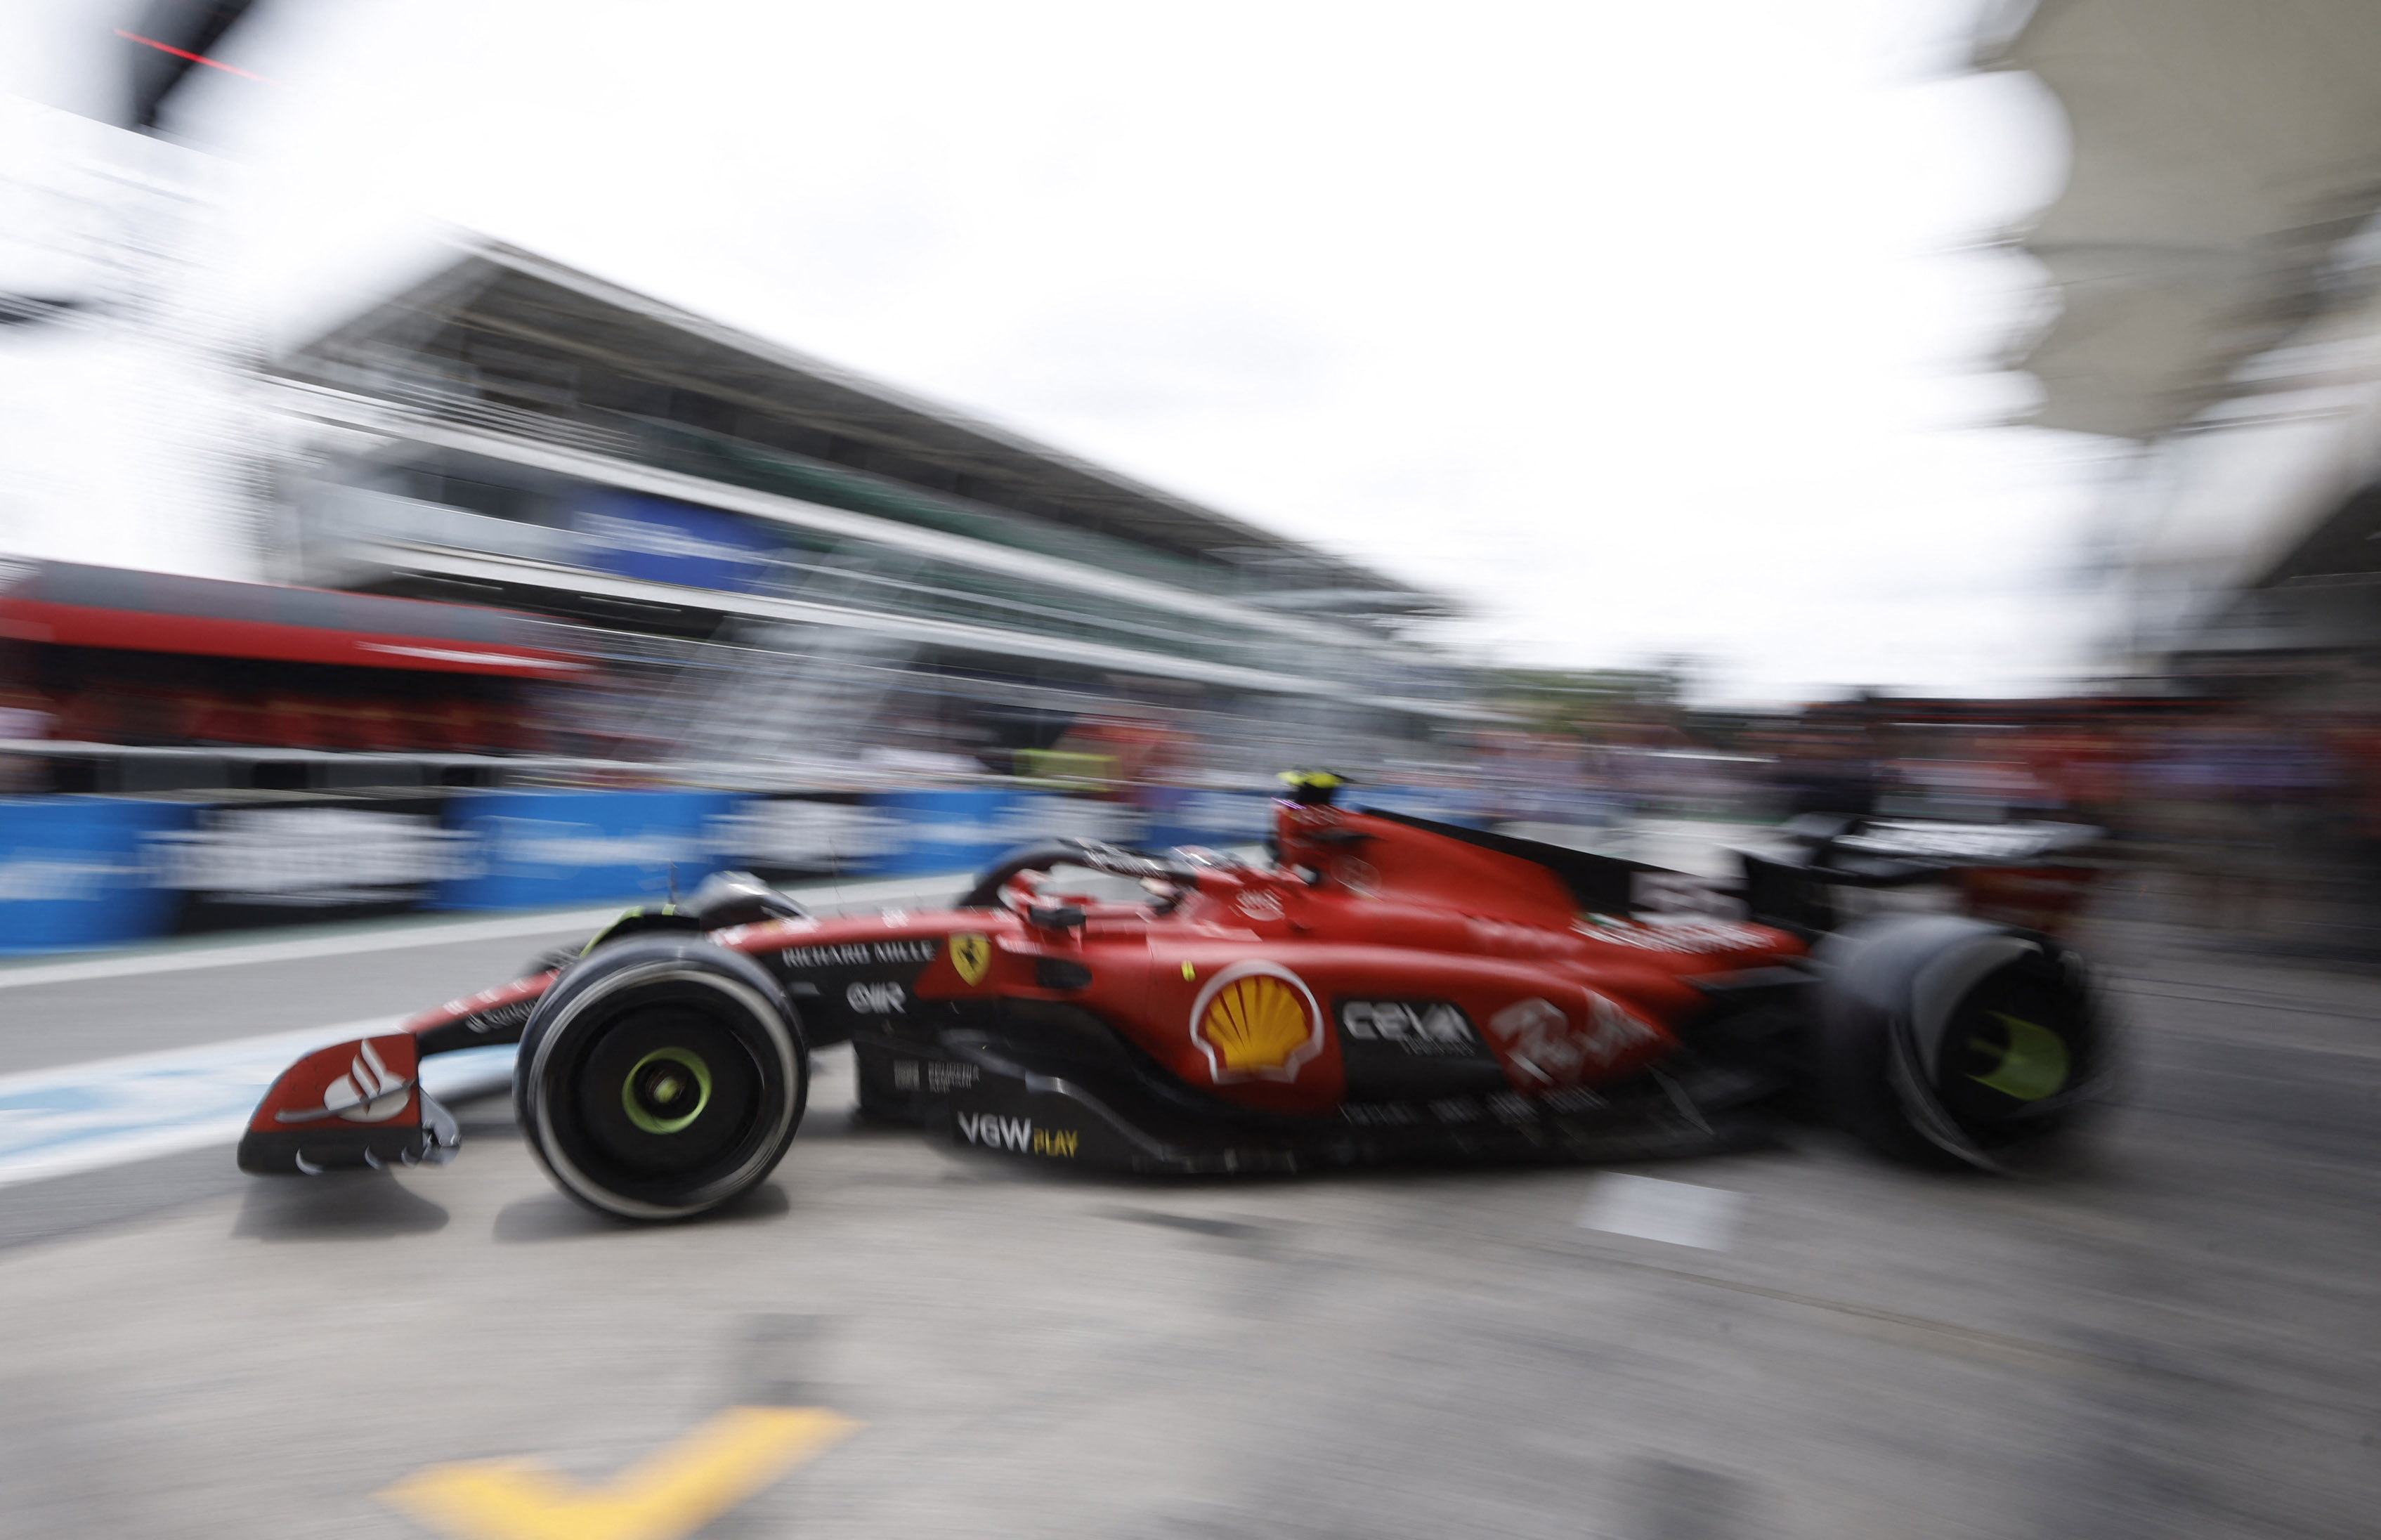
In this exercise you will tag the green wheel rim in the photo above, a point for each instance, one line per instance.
(658, 1085)
(2034, 1061)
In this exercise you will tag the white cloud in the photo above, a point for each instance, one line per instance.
(1643, 328)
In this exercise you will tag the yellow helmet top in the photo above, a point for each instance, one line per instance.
(1312, 788)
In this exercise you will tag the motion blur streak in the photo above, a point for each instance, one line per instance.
(1532, 423)
(185, 54)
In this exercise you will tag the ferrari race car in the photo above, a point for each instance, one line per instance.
(1383, 989)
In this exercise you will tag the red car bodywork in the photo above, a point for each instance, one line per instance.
(1252, 987)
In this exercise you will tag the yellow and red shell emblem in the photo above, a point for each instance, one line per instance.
(1256, 1021)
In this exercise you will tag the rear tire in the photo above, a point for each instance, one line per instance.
(1946, 1040)
(660, 1077)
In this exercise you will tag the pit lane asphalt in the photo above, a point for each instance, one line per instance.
(2177, 1339)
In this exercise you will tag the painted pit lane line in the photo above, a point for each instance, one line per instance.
(74, 1117)
(1674, 1213)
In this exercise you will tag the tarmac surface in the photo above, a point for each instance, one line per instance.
(2178, 1337)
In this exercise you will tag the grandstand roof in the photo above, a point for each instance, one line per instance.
(840, 417)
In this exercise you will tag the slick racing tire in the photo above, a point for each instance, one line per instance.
(660, 1077)
(1942, 1039)
(552, 960)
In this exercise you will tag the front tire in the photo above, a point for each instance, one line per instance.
(660, 1077)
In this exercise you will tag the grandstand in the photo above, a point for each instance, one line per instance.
(787, 566)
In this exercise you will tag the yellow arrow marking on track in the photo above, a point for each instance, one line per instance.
(695, 1480)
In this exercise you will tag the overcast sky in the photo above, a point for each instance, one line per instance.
(1642, 329)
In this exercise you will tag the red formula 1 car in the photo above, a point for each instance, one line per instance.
(1386, 989)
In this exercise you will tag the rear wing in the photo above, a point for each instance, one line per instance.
(1796, 889)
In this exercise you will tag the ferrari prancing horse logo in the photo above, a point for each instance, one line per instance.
(971, 956)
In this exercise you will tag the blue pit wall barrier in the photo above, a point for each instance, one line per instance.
(81, 872)
(78, 872)
(926, 832)
(1179, 815)
(534, 848)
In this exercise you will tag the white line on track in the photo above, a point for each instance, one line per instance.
(1673, 1211)
(82, 1116)
(833, 896)
(73, 1117)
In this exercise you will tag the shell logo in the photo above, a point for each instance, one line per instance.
(1256, 1021)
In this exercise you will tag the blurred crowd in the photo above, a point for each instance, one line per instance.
(2253, 817)
(2246, 816)
(393, 719)
(2251, 813)
(388, 723)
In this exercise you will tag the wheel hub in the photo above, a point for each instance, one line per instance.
(666, 1089)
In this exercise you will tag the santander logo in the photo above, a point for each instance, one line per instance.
(369, 1093)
